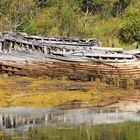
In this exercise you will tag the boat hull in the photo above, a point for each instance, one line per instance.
(28, 64)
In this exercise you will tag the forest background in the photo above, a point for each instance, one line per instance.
(116, 21)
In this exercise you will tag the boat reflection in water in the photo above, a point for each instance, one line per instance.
(20, 118)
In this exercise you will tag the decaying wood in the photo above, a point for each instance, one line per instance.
(25, 55)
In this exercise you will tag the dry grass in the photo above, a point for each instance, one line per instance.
(46, 92)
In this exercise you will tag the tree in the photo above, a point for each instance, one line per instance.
(119, 7)
(58, 20)
(44, 3)
(130, 29)
(16, 13)
(100, 7)
(4, 6)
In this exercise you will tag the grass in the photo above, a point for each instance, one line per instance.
(120, 131)
(46, 92)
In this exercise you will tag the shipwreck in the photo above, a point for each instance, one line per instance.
(21, 54)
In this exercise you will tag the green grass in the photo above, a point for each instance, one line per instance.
(120, 131)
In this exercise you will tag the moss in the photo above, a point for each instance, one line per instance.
(46, 92)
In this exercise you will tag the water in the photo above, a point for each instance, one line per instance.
(68, 124)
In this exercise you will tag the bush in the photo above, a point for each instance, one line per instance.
(130, 29)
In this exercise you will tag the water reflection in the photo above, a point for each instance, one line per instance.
(68, 124)
(19, 118)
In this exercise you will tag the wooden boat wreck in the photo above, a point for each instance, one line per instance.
(21, 54)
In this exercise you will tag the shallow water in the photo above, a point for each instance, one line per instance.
(68, 124)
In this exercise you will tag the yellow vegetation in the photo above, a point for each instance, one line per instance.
(46, 92)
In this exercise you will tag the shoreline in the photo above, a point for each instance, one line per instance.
(45, 92)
